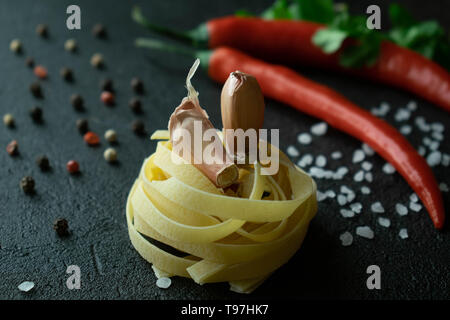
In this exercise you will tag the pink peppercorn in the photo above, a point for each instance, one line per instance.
(73, 166)
(107, 98)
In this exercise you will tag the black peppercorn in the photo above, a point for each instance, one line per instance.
(135, 105)
(82, 125)
(99, 30)
(35, 89)
(61, 226)
(29, 62)
(138, 127)
(42, 30)
(36, 114)
(77, 102)
(27, 184)
(106, 85)
(66, 74)
(43, 163)
(137, 85)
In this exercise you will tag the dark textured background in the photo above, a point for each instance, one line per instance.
(94, 202)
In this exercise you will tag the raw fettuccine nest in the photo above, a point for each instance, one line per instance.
(236, 235)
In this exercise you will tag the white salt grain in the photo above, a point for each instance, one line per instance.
(403, 233)
(368, 176)
(434, 145)
(384, 222)
(414, 206)
(347, 213)
(365, 232)
(346, 190)
(443, 187)
(377, 207)
(319, 129)
(292, 151)
(359, 176)
(445, 160)
(304, 138)
(412, 105)
(321, 161)
(437, 126)
(321, 196)
(336, 155)
(306, 160)
(350, 197)
(402, 115)
(421, 150)
(163, 283)
(366, 165)
(437, 136)
(330, 193)
(401, 209)
(358, 156)
(356, 207)
(342, 200)
(413, 197)
(405, 129)
(388, 168)
(367, 150)
(342, 171)
(434, 158)
(346, 239)
(26, 286)
(365, 190)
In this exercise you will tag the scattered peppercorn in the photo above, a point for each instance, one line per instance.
(265, 194)
(66, 73)
(82, 125)
(77, 102)
(40, 72)
(15, 46)
(99, 30)
(42, 30)
(110, 155)
(138, 127)
(29, 62)
(35, 89)
(12, 148)
(43, 163)
(106, 85)
(111, 135)
(97, 60)
(137, 85)
(27, 184)
(8, 120)
(135, 105)
(73, 166)
(36, 114)
(107, 98)
(91, 138)
(70, 45)
(61, 226)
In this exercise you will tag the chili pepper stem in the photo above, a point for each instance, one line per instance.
(203, 55)
(197, 37)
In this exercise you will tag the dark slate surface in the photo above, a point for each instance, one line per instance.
(94, 202)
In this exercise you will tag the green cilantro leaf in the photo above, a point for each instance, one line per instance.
(329, 40)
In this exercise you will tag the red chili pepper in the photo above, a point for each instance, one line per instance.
(285, 85)
(290, 42)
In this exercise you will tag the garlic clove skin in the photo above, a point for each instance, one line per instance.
(242, 102)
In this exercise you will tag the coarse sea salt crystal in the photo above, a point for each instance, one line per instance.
(367, 149)
(405, 129)
(413, 197)
(292, 151)
(347, 213)
(434, 158)
(365, 232)
(368, 176)
(26, 286)
(336, 155)
(437, 126)
(377, 207)
(317, 172)
(366, 165)
(434, 145)
(163, 283)
(412, 105)
(359, 176)
(358, 156)
(321, 196)
(388, 168)
(306, 160)
(443, 187)
(403, 233)
(319, 129)
(356, 207)
(437, 136)
(384, 222)
(330, 193)
(321, 161)
(401, 209)
(342, 200)
(346, 239)
(304, 138)
(445, 160)
(350, 197)
(402, 115)
(365, 190)
(346, 190)
(342, 171)
(414, 206)
(421, 150)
